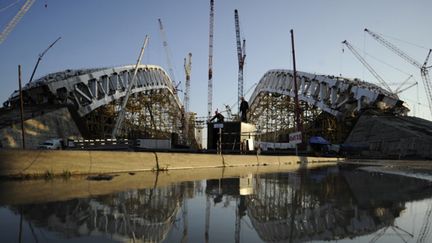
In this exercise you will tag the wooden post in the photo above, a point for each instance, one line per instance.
(21, 107)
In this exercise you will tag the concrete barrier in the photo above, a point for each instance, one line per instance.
(240, 160)
(17, 163)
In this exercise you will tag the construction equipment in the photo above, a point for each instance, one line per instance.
(11, 25)
(210, 67)
(121, 114)
(424, 69)
(168, 55)
(369, 67)
(187, 68)
(40, 58)
(241, 55)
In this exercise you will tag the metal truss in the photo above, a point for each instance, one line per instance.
(94, 95)
(329, 104)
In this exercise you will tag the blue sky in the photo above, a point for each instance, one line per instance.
(101, 33)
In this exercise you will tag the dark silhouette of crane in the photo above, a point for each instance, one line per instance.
(424, 69)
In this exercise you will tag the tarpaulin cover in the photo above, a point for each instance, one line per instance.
(318, 140)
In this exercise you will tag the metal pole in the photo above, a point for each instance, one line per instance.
(297, 107)
(21, 107)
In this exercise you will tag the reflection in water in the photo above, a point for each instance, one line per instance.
(145, 215)
(321, 204)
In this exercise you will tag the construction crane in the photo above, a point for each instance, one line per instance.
(121, 114)
(371, 70)
(11, 25)
(424, 69)
(40, 58)
(188, 69)
(168, 56)
(210, 66)
(241, 55)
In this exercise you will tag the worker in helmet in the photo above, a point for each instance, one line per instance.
(244, 107)
(218, 116)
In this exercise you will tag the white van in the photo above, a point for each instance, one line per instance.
(55, 143)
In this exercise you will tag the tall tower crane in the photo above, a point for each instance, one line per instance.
(11, 25)
(188, 69)
(241, 54)
(424, 69)
(168, 55)
(210, 67)
(371, 70)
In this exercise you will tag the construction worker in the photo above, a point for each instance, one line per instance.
(218, 116)
(244, 107)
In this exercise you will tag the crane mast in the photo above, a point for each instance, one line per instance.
(168, 55)
(11, 25)
(241, 55)
(363, 61)
(187, 68)
(210, 67)
(423, 68)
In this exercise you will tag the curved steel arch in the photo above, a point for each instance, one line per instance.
(93, 96)
(333, 95)
(89, 89)
(329, 104)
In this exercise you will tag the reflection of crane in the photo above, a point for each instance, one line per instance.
(40, 58)
(210, 67)
(241, 54)
(425, 229)
(121, 114)
(11, 25)
(371, 70)
(207, 217)
(423, 67)
(168, 55)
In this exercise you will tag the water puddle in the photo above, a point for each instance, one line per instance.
(324, 204)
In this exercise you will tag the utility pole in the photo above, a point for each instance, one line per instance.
(40, 58)
(21, 107)
(120, 117)
(297, 111)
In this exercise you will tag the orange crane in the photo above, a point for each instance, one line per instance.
(11, 25)
(424, 69)
(210, 67)
(369, 67)
(241, 54)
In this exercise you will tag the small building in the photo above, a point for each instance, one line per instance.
(232, 135)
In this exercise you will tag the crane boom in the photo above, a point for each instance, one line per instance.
(168, 54)
(423, 68)
(210, 67)
(11, 25)
(369, 67)
(40, 58)
(120, 117)
(241, 55)
(392, 47)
